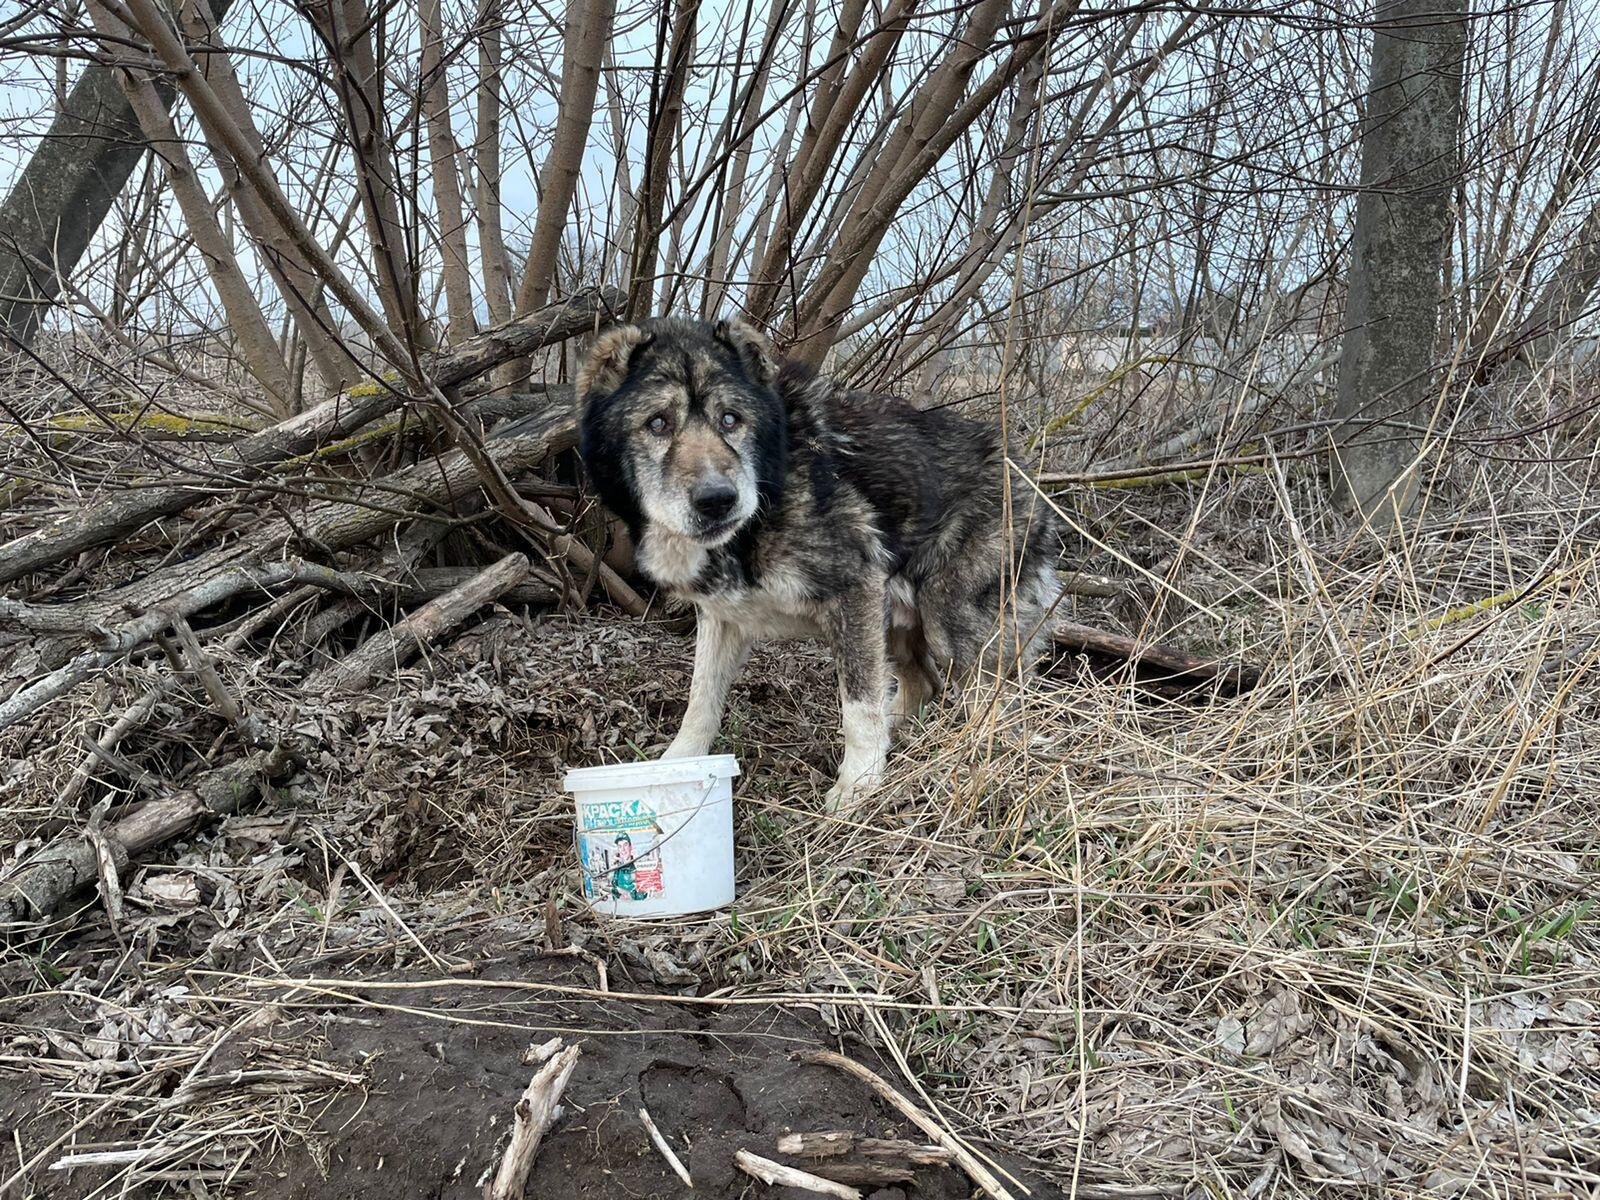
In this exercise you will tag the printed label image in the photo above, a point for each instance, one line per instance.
(620, 851)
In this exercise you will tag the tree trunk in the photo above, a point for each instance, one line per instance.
(1566, 296)
(442, 153)
(491, 238)
(350, 31)
(297, 281)
(64, 193)
(666, 113)
(1409, 165)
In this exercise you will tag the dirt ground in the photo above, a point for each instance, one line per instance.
(439, 1064)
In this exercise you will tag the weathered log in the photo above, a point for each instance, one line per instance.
(36, 887)
(964, 1158)
(429, 583)
(115, 641)
(392, 647)
(848, 1157)
(1235, 677)
(121, 514)
(841, 1143)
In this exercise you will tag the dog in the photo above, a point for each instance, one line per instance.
(781, 504)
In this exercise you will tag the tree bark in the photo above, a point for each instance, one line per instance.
(491, 237)
(36, 888)
(665, 117)
(837, 104)
(1410, 162)
(296, 280)
(151, 19)
(258, 349)
(347, 28)
(742, 123)
(936, 118)
(445, 158)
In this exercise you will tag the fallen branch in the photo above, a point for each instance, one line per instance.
(980, 1174)
(429, 583)
(119, 515)
(328, 525)
(1100, 587)
(36, 887)
(1236, 677)
(394, 646)
(536, 1111)
(114, 642)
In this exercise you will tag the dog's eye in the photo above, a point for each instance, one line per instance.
(729, 421)
(658, 425)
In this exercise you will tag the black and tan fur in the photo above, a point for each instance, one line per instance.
(783, 505)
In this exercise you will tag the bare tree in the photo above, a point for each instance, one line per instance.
(257, 347)
(57, 204)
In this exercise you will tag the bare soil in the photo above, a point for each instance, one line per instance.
(440, 1068)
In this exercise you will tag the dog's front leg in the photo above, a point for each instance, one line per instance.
(860, 650)
(720, 650)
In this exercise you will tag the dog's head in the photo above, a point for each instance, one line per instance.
(681, 426)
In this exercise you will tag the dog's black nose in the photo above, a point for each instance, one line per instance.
(714, 500)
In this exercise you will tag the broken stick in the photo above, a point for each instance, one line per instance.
(1238, 677)
(37, 886)
(980, 1174)
(778, 1175)
(661, 1144)
(536, 1111)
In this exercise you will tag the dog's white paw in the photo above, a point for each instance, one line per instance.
(851, 788)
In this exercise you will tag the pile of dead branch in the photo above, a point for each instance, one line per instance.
(159, 533)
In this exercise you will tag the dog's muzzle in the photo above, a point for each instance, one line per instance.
(713, 501)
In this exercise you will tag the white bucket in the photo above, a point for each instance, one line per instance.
(655, 839)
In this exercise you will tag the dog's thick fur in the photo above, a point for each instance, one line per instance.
(783, 505)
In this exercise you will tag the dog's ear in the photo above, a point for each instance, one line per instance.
(611, 358)
(753, 349)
